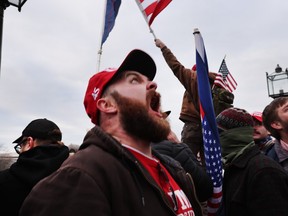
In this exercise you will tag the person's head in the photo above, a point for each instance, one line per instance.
(194, 67)
(73, 148)
(260, 132)
(232, 118)
(211, 78)
(275, 117)
(127, 95)
(235, 126)
(38, 132)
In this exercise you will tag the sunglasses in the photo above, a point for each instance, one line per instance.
(19, 145)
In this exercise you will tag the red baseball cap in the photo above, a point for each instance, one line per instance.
(257, 116)
(136, 60)
(194, 67)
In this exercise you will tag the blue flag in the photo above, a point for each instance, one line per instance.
(212, 149)
(112, 9)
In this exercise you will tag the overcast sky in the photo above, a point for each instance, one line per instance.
(50, 50)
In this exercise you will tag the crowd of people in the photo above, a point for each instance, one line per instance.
(131, 163)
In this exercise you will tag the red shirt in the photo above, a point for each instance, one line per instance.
(178, 200)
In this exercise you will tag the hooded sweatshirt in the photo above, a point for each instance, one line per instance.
(30, 167)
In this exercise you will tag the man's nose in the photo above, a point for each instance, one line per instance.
(151, 85)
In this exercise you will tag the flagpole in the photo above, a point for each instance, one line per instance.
(101, 37)
(145, 17)
(211, 138)
(151, 31)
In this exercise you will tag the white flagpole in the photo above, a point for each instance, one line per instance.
(101, 36)
(145, 17)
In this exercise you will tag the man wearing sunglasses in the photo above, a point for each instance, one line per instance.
(41, 152)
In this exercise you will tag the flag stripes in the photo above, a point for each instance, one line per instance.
(214, 202)
(219, 81)
(231, 83)
(151, 8)
(148, 7)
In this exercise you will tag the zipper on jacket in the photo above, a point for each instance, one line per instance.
(194, 192)
(174, 199)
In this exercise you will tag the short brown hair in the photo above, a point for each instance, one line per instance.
(270, 115)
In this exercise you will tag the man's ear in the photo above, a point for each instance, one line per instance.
(276, 125)
(106, 105)
(30, 143)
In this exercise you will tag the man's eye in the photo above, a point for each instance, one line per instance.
(134, 80)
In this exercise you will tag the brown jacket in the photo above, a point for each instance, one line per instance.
(103, 178)
(190, 105)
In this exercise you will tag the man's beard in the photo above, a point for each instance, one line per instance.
(137, 122)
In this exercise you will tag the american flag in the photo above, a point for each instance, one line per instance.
(211, 139)
(151, 8)
(224, 78)
(112, 8)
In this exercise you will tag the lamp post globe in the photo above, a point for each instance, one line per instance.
(277, 82)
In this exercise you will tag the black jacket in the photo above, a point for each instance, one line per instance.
(254, 185)
(183, 154)
(31, 166)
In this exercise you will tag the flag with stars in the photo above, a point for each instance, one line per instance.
(211, 139)
(225, 79)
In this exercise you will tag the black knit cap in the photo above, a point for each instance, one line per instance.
(41, 129)
(233, 118)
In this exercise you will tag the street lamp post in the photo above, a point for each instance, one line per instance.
(3, 5)
(277, 83)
